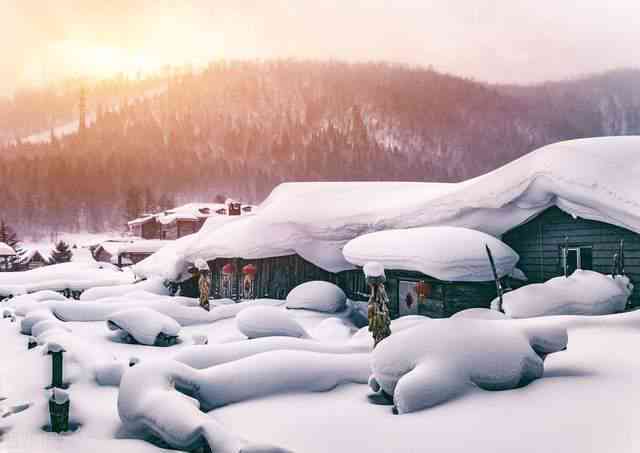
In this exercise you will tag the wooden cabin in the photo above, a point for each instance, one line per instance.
(7, 254)
(179, 227)
(273, 277)
(134, 252)
(107, 251)
(413, 293)
(591, 245)
(145, 227)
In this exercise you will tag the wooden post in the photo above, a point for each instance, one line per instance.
(59, 411)
(32, 343)
(56, 367)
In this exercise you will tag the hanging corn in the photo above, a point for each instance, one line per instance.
(204, 282)
(248, 281)
(378, 310)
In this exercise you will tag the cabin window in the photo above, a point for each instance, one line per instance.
(577, 258)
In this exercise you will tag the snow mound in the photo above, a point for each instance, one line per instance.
(317, 295)
(582, 293)
(257, 322)
(33, 318)
(436, 360)
(144, 324)
(152, 285)
(333, 329)
(446, 253)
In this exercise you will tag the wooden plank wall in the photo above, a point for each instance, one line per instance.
(275, 277)
(539, 243)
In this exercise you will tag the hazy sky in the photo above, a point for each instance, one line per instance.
(502, 40)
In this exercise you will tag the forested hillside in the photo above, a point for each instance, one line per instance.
(238, 129)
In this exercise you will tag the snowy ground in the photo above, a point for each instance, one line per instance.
(586, 401)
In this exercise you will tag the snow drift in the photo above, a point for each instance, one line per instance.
(446, 253)
(152, 285)
(582, 293)
(436, 360)
(75, 276)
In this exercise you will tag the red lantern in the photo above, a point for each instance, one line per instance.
(228, 269)
(249, 269)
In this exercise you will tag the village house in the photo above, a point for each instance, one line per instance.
(107, 251)
(553, 209)
(183, 220)
(7, 254)
(133, 252)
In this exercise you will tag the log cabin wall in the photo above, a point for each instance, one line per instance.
(444, 298)
(540, 241)
(274, 277)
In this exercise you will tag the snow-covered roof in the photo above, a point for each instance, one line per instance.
(6, 250)
(31, 254)
(190, 211)
(112, 247)
(142, 246)
(446, 253)
(590, 178)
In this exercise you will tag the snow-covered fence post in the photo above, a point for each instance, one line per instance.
(59, 411)
(499, 290)
(378, 310)
(204, 282)
(56, 351)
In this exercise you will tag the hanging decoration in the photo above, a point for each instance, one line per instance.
(248, 281)
(422, 291)
(225, 285)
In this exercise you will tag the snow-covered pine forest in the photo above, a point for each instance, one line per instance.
(186, 135)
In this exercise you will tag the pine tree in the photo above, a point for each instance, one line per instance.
(61, 252)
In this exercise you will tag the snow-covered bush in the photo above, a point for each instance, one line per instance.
(435, 360)
(256, 322)
(317, 295)
(582, 293)
(144, 325)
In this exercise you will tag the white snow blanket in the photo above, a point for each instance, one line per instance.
(591, 178)
(257, 322)
(152, 285)
(147, 399)
(436, 360)
(76, 276)
(143, 324)
(317, 295)
(582, 293)
(446, 253)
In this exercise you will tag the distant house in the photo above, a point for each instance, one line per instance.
(183, 220)
(134, 252)
(6, 256)
(107, 251)
(33, 259)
